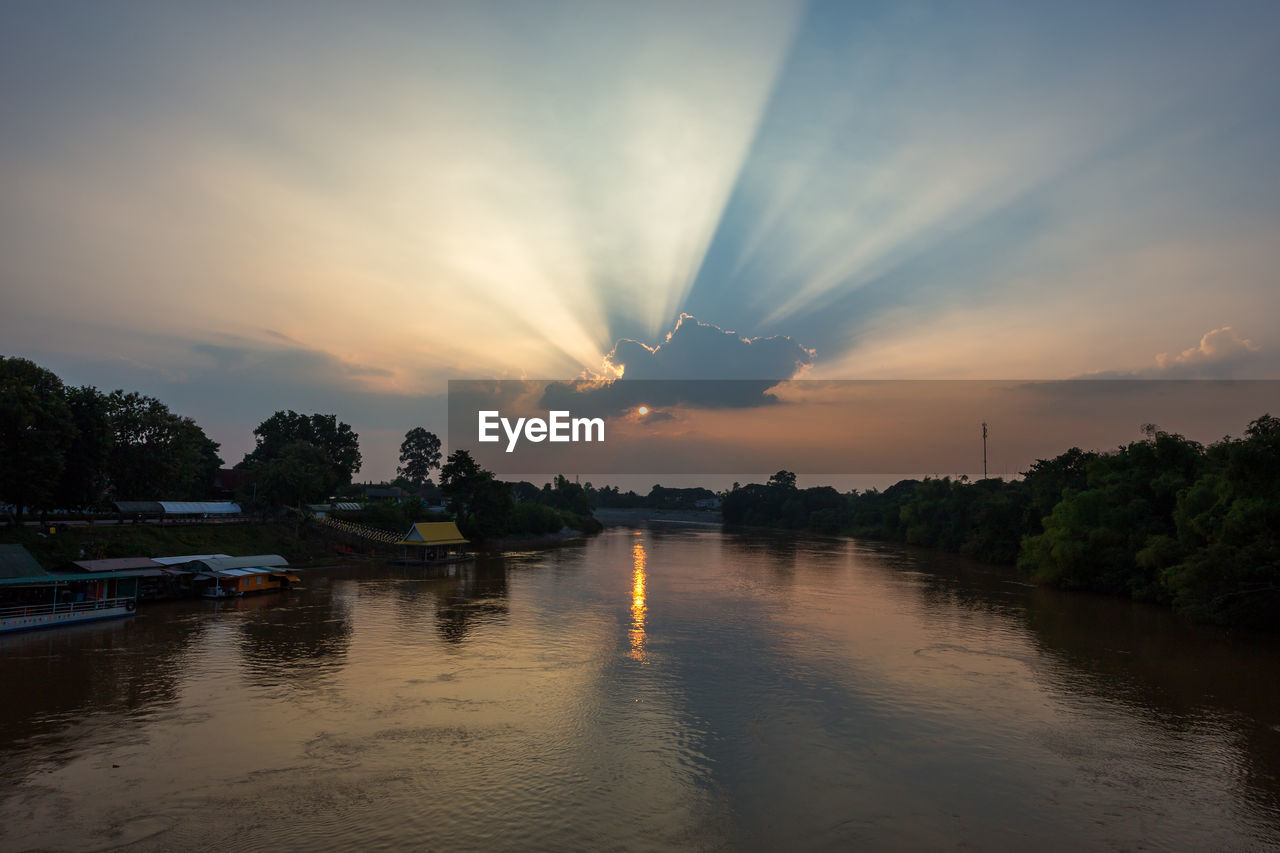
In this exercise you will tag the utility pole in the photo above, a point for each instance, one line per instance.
(984, 450)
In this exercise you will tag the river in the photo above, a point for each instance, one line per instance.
(655, 687)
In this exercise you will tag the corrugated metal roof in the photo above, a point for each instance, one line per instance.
(139, 507)
(178, 561)
(17, 562)
(344, 506)
(98, 576)
(216, 564)
(200, 508)
(116, 564)
(433, 533)
(238, 573)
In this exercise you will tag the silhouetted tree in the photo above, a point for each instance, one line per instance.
(36, 427)
(84, 477)
(335, 439)
(419, 454)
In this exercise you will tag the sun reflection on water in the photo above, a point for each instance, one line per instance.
(638, 606)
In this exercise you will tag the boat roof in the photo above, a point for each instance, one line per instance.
(115, 564)
(17, 562)
(214, 564)
(243, 572)
(62, 577)
(178, 561)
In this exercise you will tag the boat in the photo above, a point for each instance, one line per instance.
(33, 598)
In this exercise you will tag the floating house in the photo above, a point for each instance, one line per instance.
(154, 580)
(30, 597)
(228, 577)
(430, 541)
(181, 579)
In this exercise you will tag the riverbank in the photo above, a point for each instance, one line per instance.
(101, 541)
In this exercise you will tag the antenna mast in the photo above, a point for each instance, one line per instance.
(984, 450)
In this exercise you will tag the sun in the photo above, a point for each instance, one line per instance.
(642, 411)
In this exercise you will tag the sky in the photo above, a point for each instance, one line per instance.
(341, 207)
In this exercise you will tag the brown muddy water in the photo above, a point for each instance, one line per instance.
(656, 687)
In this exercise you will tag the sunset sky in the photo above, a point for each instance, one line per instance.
(339, 208)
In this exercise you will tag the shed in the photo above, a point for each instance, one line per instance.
(139, 507)
(323, 510)
(200, 508)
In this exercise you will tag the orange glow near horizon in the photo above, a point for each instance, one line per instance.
(638, 606)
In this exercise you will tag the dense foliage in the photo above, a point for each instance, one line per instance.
(659, 497)
(1162, 519)
(299, 459)
(487, 508)
(75, 448)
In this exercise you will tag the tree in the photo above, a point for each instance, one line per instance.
(193, 461)
(336, 440)
(566, 495)
(35, 429)
(301, 473)
(155, 454)
(84, 478)
(461, 479)
(1225, 563)
(482, 504)
(419, 454)
(1094, 537)
(783, 480)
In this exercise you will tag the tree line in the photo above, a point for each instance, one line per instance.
(1163, 519)
(486, 507)
(68, 447)
(659, 497)
(77, 448)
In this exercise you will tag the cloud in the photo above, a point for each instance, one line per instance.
(298, 362)
(1219, 351)
(696, 350)
(697, 365)
(1221, 354)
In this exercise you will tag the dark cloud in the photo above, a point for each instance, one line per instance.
(615, 397)
(696, 350)
(698, 365)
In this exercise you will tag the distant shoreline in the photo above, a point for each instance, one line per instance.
(625, 515)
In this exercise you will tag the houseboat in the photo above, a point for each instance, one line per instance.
(229, 577)
(33, 598)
